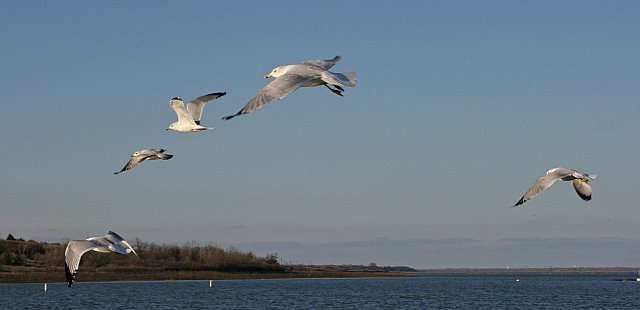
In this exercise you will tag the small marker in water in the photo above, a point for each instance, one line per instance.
(45, 286)
(517, 280)
(210, 283)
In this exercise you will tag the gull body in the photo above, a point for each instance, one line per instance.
(289, 78)
(189, 117)
(578, 179)
(146, 154)
(111, 242)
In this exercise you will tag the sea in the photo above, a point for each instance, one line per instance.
(413, 292)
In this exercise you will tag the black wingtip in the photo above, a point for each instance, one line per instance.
(228, 117)
(197, 122)
(68, 275)
(521, 201)
(585, 198)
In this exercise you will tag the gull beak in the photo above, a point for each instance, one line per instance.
(267, 76)
(167, 129)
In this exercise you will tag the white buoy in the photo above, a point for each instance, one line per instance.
(210, 283)
(45, 286)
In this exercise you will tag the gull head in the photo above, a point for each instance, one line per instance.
(176, 98)
(277, 71)
(136, 153)
(172, 126)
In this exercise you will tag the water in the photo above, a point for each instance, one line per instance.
(428, 292)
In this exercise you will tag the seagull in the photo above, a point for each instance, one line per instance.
(291, 77)
(189, 117)
(111, 242)
(142, 155)
(578, 179)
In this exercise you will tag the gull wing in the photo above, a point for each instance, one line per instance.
(183, 115)
(276, 90)
(538, 186)
(568, 174)
(324, 64)
(196, 106)
(153, 150)
(74, 251)
(135, 160)
(129, 248)
(117, 242)
(562, 173)
(343, 79)
(583, 189)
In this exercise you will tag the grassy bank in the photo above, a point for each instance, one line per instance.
(30, 261)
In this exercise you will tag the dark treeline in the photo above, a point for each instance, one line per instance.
(190, 256)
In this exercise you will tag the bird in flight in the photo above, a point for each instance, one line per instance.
(289, 78)
(111, 242)
(142, 155)
(578, 179)
(189, 117)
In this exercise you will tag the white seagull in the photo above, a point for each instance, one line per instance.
(111, 242)
(189, 117)
(578, 179)
(291, 77)
(142, 155)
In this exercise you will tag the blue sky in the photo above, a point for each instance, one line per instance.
(460, 106)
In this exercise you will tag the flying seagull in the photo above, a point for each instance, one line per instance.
(142, 155)
(189, 117)
(111, 242)
(578, 179)
(291, 77)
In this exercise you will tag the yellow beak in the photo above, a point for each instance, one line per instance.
(267, 76)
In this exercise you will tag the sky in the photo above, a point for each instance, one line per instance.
(459, 107)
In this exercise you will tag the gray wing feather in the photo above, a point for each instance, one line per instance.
(74, 251)
(134, 161)
(183, 115)
(561, 173)
(567, 174)
(196, 106)
(538, 186)
(154, 150)
(347, 79)
(324, 64)
(129, 248)
(276, 90)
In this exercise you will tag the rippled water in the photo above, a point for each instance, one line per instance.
(428, 292)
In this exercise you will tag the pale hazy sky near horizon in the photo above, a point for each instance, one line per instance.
(460, 106)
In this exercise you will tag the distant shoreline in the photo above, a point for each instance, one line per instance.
(547, 270)
(25, 275)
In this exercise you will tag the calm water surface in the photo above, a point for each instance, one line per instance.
(428, 292)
